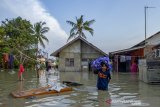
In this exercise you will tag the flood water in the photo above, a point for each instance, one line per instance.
(124, 91)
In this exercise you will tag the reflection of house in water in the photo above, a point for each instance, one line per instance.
(77, 55)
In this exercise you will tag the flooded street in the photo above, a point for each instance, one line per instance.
(124, 91)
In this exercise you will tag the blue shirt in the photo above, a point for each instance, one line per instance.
(103, 79)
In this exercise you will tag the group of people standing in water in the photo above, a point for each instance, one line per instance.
(44, 66)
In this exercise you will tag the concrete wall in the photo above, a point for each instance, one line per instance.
(89, 52)
(143, 70)
(149, 71)
(72, 51)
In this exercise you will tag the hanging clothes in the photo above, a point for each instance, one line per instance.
(5, 57)
(128, 58)
(122, 59)
(11, 61)
(5, 60)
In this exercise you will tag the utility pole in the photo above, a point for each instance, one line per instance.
(145, 43)
(145, 16)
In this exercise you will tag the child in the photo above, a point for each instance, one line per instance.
(103, 77)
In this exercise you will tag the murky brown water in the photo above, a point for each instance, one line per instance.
(124, 91)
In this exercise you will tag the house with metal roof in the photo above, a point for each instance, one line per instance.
(140, 50)
(77, 55)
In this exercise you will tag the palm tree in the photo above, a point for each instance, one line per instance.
(39, 31)
(79, 26)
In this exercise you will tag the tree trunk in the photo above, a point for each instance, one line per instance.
(36, 64)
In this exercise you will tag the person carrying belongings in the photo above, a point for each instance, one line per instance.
(102, 67)
(104, 77)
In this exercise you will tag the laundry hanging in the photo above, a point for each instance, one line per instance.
(128, 58)
(122, 59)
(11, 61)
(5, 57)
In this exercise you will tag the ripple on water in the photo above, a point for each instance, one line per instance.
(114, 89)
(128, 97)
(50, 101)
(114, 96)
(93, 93)
(128, 93)
(86, 95)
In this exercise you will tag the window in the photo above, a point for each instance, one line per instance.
(69, 62)
(157, 53)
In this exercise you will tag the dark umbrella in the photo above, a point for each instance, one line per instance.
(96, 64)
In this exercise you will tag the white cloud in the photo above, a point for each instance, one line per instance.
(34, 11)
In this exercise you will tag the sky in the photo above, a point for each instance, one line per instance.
(119, 23)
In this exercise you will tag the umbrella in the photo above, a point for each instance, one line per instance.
(96, 64)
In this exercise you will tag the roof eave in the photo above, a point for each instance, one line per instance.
(127, 50)
(56, 53)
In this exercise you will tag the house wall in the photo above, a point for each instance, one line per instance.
(89, 52)
(138, 52)
(72, 51)
(149, 71)
(78, 50)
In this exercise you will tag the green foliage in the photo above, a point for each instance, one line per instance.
(39, 31)
(2, 34)
(5, 50)
(79, 26)
(19, 33)
(19, 36)
(16, 64)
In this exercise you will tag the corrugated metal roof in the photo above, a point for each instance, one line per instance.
(135, 47)
(126, 50)
(143, 42)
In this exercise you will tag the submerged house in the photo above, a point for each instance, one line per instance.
(77, 55)
(123, 59)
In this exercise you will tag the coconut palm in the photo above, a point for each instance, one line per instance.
(39, 31)
(79, 27)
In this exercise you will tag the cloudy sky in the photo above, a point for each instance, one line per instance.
(119, 23)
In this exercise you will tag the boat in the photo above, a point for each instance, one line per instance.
(38, 91)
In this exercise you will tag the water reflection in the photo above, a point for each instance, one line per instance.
(124, 91)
